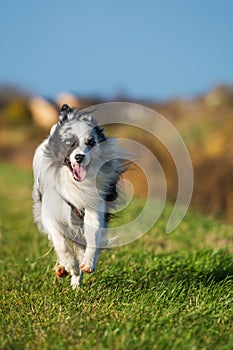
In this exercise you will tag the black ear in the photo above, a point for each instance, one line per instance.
(63, 114)
(65, 108)
(100, 134)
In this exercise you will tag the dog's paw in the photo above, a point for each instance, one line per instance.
(76, 281)
(61, 271)
(87, 267)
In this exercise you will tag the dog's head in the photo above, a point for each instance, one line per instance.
(73, 140)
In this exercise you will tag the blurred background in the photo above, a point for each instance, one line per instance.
(173, 56)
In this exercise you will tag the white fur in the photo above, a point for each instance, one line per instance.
(55, 189)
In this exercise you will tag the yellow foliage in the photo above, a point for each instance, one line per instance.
(16, 113)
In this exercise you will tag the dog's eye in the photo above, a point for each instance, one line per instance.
(71, 142)
(91, 142)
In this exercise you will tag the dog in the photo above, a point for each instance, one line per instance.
(76, 171)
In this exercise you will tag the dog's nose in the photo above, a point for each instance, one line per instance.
(79, 158)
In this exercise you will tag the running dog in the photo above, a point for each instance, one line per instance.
(76, 170)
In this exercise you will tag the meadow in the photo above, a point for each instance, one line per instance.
(160, 292)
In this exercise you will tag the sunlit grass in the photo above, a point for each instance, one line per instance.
(160, 292)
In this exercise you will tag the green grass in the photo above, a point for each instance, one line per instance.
(160, 292)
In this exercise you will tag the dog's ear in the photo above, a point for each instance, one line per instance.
(63, 114)
(100, 134)
(87, 116)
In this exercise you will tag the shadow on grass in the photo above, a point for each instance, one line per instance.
(201, 268)
(221, 273)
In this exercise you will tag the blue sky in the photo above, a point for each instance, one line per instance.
(145, 49)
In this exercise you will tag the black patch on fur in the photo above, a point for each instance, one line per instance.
(65, 108)
(40, 196)
(111, 193)
(100, 135)
(63, 114)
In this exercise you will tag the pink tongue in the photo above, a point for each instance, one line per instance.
(79, 172)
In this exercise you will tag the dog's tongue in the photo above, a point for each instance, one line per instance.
(79, 172)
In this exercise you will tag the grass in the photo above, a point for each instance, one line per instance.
(160, 292)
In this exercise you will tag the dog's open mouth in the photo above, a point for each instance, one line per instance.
(79, 171)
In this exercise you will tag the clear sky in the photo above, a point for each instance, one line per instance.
(155, 49)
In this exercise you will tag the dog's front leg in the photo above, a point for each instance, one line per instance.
(94, 232)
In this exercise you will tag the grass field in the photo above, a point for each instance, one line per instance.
(160, 292)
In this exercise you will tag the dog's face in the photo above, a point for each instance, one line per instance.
(76, 138)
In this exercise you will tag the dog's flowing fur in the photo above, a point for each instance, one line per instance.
(75, 175)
